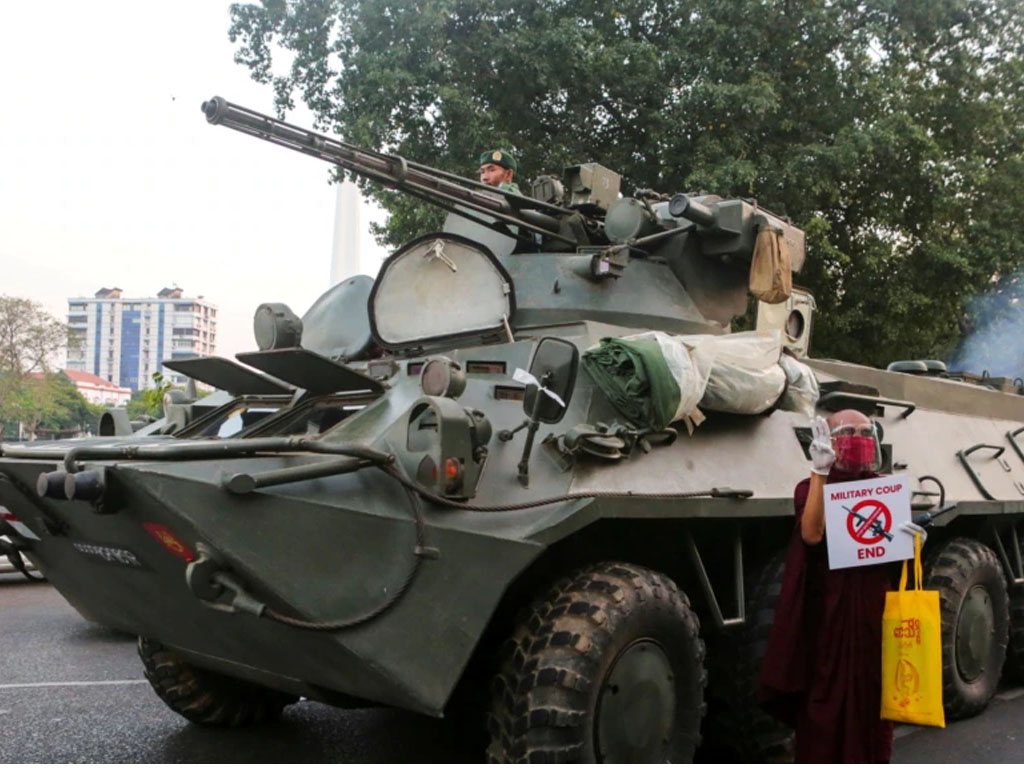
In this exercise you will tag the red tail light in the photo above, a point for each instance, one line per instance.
(452, 474)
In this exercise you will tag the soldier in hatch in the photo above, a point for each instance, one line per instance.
(497, 169)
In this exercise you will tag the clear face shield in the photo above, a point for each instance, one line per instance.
(857, 448)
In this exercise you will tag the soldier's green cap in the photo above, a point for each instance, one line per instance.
(501, 157)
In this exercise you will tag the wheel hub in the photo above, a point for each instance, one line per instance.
(636, 707)
(974, 632)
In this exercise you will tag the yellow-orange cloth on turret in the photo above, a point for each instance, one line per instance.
(771, 269)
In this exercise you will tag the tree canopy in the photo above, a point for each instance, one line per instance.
(49, 405)
(150, 401)
(891, 131)
(30, 340)
(30, 337)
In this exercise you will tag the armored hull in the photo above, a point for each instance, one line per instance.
(414, 519)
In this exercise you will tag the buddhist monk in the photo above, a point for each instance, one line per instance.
(822, 672)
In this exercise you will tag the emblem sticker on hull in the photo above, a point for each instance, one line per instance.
(105, 554)
(171, 543)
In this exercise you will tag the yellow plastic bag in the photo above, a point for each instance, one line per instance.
(912, 652)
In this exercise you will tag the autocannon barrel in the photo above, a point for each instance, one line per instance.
(686, 207)
(498, 208)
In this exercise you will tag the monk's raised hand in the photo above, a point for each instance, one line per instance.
(822, 454)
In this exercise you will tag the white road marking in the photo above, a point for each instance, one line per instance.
(74, 683)
(1010, 695)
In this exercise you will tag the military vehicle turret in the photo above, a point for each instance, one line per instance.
(527, 465)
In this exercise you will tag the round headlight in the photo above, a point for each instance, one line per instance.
(442, 377)
(275, 326)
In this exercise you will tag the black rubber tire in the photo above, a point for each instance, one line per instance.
(737, 729)
(555, 666)
(206, 697)
(1015, 648)
(959, 566)
(1014, 669)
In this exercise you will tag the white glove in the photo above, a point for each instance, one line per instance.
(822, 455)
(912, 528)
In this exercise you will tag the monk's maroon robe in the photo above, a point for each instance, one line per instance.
(822, 671)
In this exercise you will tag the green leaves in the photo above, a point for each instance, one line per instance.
(893, 132)
(30, 340)
(150, 401)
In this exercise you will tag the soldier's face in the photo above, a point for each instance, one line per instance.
(494, 175)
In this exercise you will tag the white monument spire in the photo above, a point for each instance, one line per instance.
(345, 249)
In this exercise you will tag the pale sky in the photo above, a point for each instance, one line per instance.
(110, 174)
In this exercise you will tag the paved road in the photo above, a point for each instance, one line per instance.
(71, 691)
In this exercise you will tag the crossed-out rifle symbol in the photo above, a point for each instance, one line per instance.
(876, 527)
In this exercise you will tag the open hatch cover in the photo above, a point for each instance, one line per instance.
(438, 289)
(221, 373)
(310, 371)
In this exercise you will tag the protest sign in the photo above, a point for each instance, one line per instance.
(862, 520)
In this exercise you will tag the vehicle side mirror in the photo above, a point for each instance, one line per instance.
(554, 365)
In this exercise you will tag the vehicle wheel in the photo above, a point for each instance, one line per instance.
(1014, 669)
(737, 728)
(975, 621)
(205, 697)
(607, 667)
(1015, 647)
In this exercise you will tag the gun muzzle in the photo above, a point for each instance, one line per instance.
(686, 207)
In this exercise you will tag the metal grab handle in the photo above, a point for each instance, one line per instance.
(1016, 574)
(999, 449)
(908, 407)
(942, 489)
(714, 606)
(1011, 436)
(962, 455)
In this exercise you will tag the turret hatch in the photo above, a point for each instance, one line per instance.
(439, 290)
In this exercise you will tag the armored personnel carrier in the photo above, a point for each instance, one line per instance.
(529, 468)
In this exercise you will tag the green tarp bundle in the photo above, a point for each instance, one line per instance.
(634, 376)
(655, 379)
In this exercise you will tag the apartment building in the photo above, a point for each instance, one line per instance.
(125, 340)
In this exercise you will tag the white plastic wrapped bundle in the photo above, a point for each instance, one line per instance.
(802, 393)
(689, 360)
(736, 373)
(746, 376)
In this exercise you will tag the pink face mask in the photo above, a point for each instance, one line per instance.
(855, 453)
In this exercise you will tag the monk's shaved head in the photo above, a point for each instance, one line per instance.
(849, 417)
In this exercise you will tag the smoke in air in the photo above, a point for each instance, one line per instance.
(995, 332)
